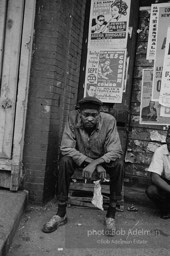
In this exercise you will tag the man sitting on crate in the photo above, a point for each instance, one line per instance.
(159, 190)
(91, 142)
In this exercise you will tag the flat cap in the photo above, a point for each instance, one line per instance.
(90, 101)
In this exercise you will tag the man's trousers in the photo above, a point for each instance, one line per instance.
(67, 166)
(160, 197)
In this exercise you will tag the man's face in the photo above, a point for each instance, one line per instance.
(114, 11)
(151, 104)
(107, 63)
(100, 20)
(89, 117)
(92, 91)
(168, 140)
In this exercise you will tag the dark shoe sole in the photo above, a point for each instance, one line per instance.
(165, 217)
(110, 232)
(50, 230)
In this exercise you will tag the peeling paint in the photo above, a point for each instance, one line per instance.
(135, 118)
(29, 44)
(142, 158)
(139, 157)
(130, 157)
(10, 23)
(46, 109)
(140, 133)
(6, 103)
(58, 84)
(137, 142)
(152, 146)
(154, 135)
(139, 96)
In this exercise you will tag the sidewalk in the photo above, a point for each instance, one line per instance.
(141, 233)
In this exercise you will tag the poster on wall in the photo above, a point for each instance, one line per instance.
(109, 22)
(163, 23)
(153, 26)
(164, 98)
(165, 111)
(105, 71)
(150, 111)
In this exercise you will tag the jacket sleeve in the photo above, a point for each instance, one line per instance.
(68, 144)
(112, 147)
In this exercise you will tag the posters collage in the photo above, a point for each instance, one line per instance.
(106, 58)
(151, 111)
(155, 92)
(108, 27)
(107, 62)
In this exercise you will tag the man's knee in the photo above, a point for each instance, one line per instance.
(117, 163)
(65, 160)
(66, 165)
(151, 191)
(116, 168)
(120, 163)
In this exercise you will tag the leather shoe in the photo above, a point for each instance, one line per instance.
(165, 215)
(110, 229)
(54, 223)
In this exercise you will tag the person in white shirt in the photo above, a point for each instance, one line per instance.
(159, 190)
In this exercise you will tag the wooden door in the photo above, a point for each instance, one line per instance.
(9, 79)
(16, 27)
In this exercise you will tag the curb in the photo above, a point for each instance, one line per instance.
(11, 209)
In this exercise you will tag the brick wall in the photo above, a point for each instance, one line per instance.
(53, 90)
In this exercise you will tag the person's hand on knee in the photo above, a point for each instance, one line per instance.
(88, 171)
(102, 172)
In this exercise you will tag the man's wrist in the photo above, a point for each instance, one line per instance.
(84, 164)
(99, 161)
(96, 162)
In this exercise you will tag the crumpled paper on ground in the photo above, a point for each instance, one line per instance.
(97, 199)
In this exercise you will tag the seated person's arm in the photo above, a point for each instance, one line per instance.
(112, 147)
(159, 182)
(68, 145)
(112, 150)
(91, 166)
(68, 148)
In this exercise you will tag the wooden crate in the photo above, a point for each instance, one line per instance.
(81, 194)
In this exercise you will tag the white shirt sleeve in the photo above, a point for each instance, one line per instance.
(156, 165)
